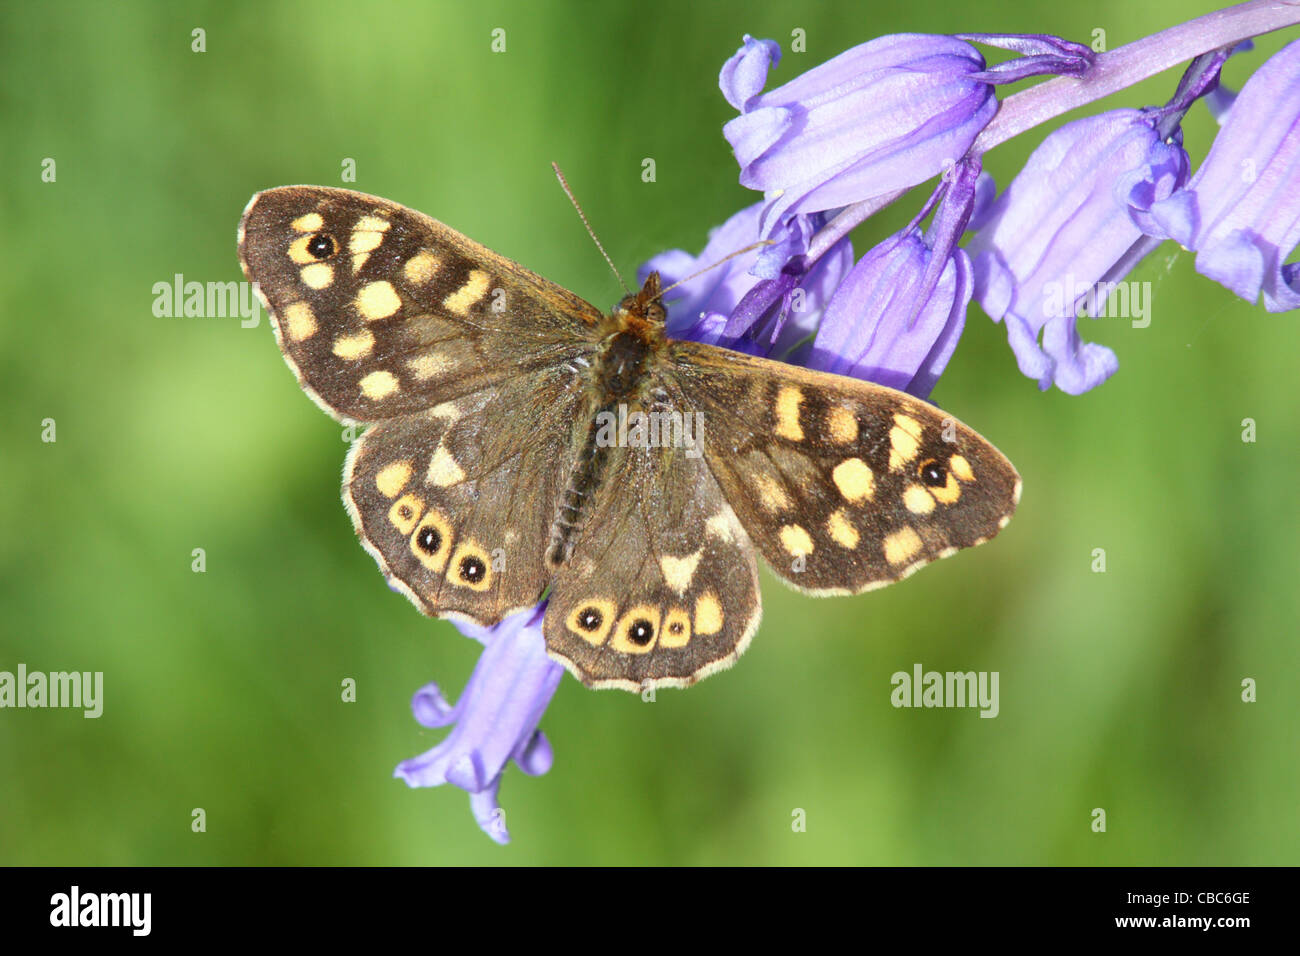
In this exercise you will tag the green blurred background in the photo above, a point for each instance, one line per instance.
(1119, 690)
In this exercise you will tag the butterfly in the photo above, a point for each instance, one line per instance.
(522, 442)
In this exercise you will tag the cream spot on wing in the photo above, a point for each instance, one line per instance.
(443, 470)
(904, 440)
(318, 275)
(676, 630)
(308, 223)
(354, 346)
(431, 543)
(796, 540)
(909, 425)
(372, 224)
(364, 240)
(426, 366)
(902, 546)
(377, 300)
(843, 425)
(405, 512)
(643, 618)
(961, 468)
(841, 530)
(300, 321)
(949, 493)
(471, 567)
(917, 500)
(459, 302)
(722, 525)
(678, 572)
(708, 613)
(391, 479)
(298, 251)
(854, 479)
(378, 385)
(591, 620)
(770, 493)
(788, 400)
(420, 268)
(447, 410)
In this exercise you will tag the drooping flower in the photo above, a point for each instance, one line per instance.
(1065, 223)
(881, 117)
(495, 720)
(1240, 212)
(896, 318)
(878, 327)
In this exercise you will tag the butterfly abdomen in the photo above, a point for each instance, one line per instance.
(576, 498)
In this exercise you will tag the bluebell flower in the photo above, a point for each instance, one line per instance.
(698, 309)
(880, 327)
(896, 318)
(881, 117)
(1240, 212)
(1071, 220)
(731, 307)
(495, 720)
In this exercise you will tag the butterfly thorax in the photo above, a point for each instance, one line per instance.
(620, 382)
(634, 333)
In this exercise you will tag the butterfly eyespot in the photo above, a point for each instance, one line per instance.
(589, 619)
(933, 473)
(472, 569)
(641, 632)
(676, 628)
(429, 540)
(322, 245)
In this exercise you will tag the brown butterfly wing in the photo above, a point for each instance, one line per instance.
(843, 485)
(382, 311)
(455, 503)
(662, 586)
(468, 363)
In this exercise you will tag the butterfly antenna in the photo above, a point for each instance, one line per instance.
(592, 232)
(738, 252)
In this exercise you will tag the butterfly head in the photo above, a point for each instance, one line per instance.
(642, 310)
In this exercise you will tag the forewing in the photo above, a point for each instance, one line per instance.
(382, 311)
(843, 485)
(662, 586)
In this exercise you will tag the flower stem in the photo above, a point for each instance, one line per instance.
(1134, 62)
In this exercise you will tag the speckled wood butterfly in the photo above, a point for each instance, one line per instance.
(522, 441)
